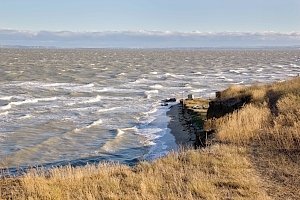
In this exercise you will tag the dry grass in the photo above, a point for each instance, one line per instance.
(280, 172)
(273, 120)
(270, 128)
(284, 131)
(242, 126)
(218, 172)
(261, 93)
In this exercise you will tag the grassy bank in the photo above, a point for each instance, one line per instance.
(254, 155)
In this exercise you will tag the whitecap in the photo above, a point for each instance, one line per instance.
(2, 137)
(141, 80)
(294, 66)
(107, 109)
(122, 74)
(229, 79)
(26, 116)
(95, 123)
(112, 145)
(149, 133)
(149, 92)
(6, 98)
(6, 107)
(93, 100)
(234, 71)
(4, 113)
(56, 84)
(174, 75)
(197, 73)
(149, 143)
(198, 90)
(151, 111)
(278, 66)
(156, 86)
(120, 132)
(27, 101)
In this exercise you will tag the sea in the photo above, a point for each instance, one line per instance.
(79, 106)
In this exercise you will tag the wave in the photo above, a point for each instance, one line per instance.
(4, 113)
(198, 90)
(145, 137)
(93, 100)
(27, 101)
(2, 137)
(197, 73)
(57, 84)
(122, 74)
(229, 79)
(6, 98)
(94, 123)
(118, 90)
(153, 110)
(112, 145)
(26, 116)
(142, 81)
(107, 109)
(147, 94)
(294, 66)
(234, 71)
(50, 86)
(88, 85)
(84, 100)
(156, 86)
(150, 135)
(178, 76)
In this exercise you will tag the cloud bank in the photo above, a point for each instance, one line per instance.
(146, 39)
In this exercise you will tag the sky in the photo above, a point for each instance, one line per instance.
(181, 16)
(160, 15)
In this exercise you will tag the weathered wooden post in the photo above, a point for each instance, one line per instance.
(191, 96)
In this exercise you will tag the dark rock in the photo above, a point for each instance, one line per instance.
(169, 100)
(164, 104)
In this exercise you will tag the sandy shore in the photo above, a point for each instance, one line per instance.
(178, 127)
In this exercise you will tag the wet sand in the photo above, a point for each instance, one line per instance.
(178, 125)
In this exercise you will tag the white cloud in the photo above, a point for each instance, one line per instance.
(148, 39)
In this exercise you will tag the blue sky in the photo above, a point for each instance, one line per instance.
(160, 15)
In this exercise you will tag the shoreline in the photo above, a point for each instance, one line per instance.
(178, 127)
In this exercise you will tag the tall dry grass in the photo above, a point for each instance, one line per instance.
(242, 126)
(272, 119)
(270, 128)
(263, 92)
(284, 131)
(218, 172)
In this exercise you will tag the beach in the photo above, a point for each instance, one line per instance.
(178, 125)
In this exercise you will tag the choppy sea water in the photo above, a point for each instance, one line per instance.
(80, 106)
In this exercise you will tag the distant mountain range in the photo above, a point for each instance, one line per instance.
(146, 39)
